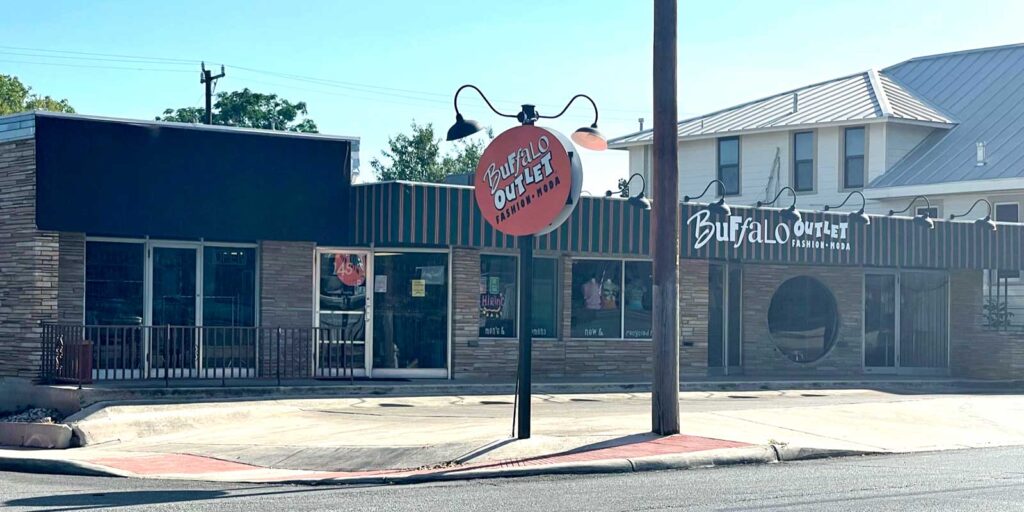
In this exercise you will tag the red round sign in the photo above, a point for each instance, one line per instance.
(349, 269)
(523, 180)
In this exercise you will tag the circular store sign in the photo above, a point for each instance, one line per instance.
(528, 181)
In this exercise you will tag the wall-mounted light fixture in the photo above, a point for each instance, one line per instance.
(640, 200)
(718, 207)
(985, 221)
(858, 216)
(923, 219)
(788, 214)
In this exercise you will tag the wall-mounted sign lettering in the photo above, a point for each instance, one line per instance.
(528, 181)
(738, 230)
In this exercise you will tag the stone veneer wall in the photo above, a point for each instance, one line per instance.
(565, 357)
(71, 278)
(286, 300)
(975, 351)
(761, 357)
(28, 264)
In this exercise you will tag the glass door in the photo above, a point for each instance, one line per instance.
(410, 322)
(343, 306)
(725, 285)
(906, 322)
(880, 322)
(174, 308)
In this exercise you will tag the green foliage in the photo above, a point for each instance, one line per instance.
(17, 97)
(997, 314)
(248, 109)
(417, 157)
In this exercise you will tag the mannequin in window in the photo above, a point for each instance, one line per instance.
(592, 293)
(609, 295)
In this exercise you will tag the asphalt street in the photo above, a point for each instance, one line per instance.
(980, 479)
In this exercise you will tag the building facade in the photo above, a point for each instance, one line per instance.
(184, 252)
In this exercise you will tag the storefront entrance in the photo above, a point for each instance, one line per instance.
(906, 322)
(387, 313)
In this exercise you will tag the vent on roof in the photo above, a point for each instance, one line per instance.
(980, 149)
(796, 102)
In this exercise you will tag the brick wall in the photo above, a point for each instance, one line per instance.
(693, 318)
(71, 278)
(975, 351)
(761, 357)
(28, 264)
(286, 300)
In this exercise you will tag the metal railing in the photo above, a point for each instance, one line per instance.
(86, 353)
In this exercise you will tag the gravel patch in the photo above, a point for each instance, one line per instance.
(36, 415)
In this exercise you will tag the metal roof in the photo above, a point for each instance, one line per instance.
(855, 98)
(984, 90)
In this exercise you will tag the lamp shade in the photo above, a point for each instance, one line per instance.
(924, 221)
(860, 217)
(791, 214)
(588, 137)
(720, 208)
(640, 201)
(986, 222)
(462, 128)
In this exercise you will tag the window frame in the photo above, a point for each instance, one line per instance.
(938, 211)
(557, 298)
(844, 158)
(516, 279)
(813, 161)
(722, 192)
(200, 245)
(622, 308)
(995, 210)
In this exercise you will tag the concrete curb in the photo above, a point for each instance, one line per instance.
(768, 454)
(677, 461)
(48, 466)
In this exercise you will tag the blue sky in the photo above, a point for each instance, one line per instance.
(382, 64)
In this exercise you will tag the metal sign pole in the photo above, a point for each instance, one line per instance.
(525, 333)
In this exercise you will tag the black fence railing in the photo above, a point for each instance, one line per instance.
(87, 353)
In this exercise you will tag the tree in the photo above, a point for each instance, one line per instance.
(248, 109)
(417, 157)
(18, 97)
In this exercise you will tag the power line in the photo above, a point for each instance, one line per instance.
(92, 66)
(360, 87)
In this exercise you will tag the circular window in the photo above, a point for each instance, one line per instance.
(803, 319)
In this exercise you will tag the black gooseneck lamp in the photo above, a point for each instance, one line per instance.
(640, 200)
(924, 219)
(790, 214)
(718, 207)
(587, 136)
(858, 216)
(985, 221)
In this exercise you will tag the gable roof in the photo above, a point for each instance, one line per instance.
(854, 98)
(984, 90)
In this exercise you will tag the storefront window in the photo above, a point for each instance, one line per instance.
(545, 298)
(229, 286)
(498, 303)
(596, 299)
(637, 300)
(114, 283)
(803, 319)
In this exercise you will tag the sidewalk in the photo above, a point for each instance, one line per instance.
(395, 439)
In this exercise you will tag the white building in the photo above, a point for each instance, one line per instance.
(949, 126)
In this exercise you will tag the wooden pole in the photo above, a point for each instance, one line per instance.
(665, 225)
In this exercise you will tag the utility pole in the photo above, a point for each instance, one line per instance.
(208, 79)
(665, 225)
